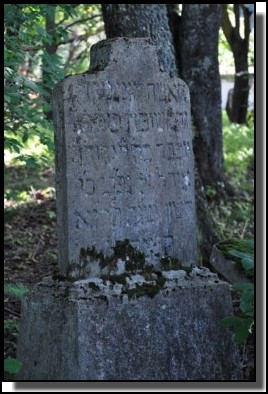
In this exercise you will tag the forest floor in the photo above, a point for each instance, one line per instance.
(30, 243)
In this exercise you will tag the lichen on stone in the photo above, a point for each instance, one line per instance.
(125, 258)
(126, 274)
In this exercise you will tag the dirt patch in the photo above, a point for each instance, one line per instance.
(30, 243)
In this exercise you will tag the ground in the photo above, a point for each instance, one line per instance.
(31, 241)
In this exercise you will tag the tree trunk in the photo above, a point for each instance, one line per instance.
(238, 103)
(199, 33)
(142, 20)
(50, 48)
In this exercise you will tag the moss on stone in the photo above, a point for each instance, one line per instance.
(60, 278)
(134, 263)
(70, 276)
(91, 254)
(93, 286)
(134, 259)
(125, 251)
(114, 279)
(170, 263)
(146, 289)
(102, 297)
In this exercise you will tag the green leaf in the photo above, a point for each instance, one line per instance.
(230, 321)
(242, 326)
(244, 286)
(51, 214)
(47, 107)
(31, 162)
(12, 365)
(11, 325)
(241, 255)
(7, 99)
(40, 30)
(8, 72)
(249, 243)
(247, 263)
(25, 137)
(247, 302)
(13, 144)
(242, 331)
(15, 290)
(14, 98)
(33, 86)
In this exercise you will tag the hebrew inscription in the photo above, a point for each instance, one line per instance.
(124, 159)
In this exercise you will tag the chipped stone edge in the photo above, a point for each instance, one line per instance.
(98, 288)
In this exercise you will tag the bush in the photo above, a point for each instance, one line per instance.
(243, 324)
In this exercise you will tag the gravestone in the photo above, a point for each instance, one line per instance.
(124, 158)
(125, 187)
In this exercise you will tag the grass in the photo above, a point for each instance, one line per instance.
(238, 142)
(24, 185)
(234, 216)
(28, 174)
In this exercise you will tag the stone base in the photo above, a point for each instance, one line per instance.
(80, 331)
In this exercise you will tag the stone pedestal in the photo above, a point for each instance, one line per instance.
(162, 329)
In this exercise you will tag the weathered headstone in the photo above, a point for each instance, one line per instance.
(124, 157)
(125, 171)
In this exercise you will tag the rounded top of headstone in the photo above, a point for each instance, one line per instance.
(128, 57)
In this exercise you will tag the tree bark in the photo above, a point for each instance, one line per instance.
(142, 20)
(237, 106)
(199, 34)
(50, 48)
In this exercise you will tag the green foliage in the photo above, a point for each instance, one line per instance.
(12, 365)
(11, 328)
(242, 246)
(243, 324)
(84, 30)
(210, 192)
(24, 94)
(247, 297)
(41, 45)
(238, 149)
(247, 260)
(233, 216)
(11, 325)
(240, 251)
(15, 290)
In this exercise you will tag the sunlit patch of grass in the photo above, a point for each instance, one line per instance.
(15, 200)
(235, 218)
(238, 150)
(29, 173)
(234, 215)
(34, 153)
(24, 184)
